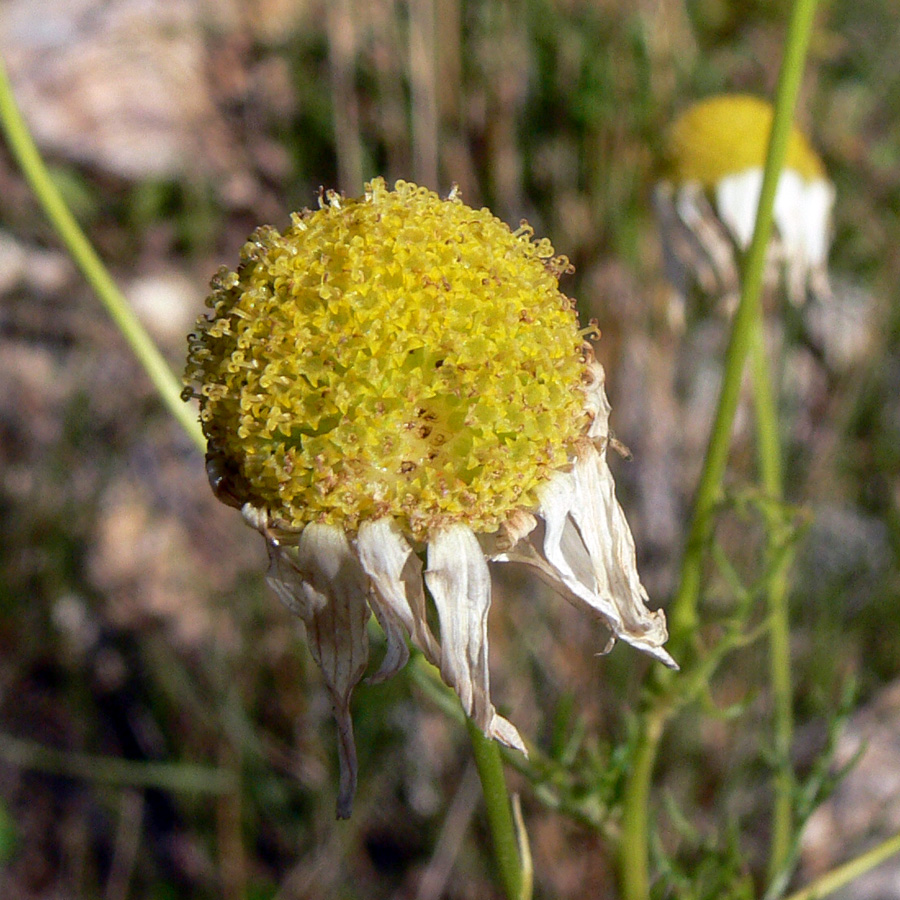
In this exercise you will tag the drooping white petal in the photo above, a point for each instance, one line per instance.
(568, 584)
(807, 260)
(587, 544)
(322, 581)
(609, 543)
(398, 600)
(570, 568)
(460, 583)
(695, 211)
(790, 216)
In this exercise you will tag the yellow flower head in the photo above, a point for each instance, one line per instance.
(727, 134)
(396, 355)
(399, 376)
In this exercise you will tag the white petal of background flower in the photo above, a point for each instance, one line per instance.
(818, 205)
(737, 199)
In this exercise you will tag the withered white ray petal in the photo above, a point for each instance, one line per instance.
(283, 578)
(371, 558)
(566, 553)
(791, 218)
(526, 553)
(323, 577)
(597, 403)
(789, 214)
(700, 219)
(460, 583)
(282, 575)
(396, 654)
(398, 599)
(610, 545)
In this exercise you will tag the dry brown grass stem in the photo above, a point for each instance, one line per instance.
(342, 49)
(423, 89)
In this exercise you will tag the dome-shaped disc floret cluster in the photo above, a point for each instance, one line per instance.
(717, 148)
(395, 356)
(389, 378)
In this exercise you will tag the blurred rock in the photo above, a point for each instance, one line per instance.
(865, 808)
(142, 562)
(122, 85)
(846, 555)
(24, 266)
(166, 303)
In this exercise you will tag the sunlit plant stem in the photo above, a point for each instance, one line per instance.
(514, 876)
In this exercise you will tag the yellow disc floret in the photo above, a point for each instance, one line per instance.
(728, 134)
(394, 355)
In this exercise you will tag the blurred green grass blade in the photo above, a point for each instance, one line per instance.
(186, 777)
(9, 835)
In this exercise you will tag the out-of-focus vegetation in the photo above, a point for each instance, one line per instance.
(134, 623)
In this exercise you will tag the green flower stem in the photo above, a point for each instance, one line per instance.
(26, 153)
(836, 879)
(507, 830)
(633, 861)
(683, 613)
(770, 465)
(515, 876)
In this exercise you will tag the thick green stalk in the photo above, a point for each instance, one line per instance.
(26, 153)
(683, 613)
(513, 875)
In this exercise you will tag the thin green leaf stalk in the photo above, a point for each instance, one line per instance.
(633, 849)
(683, 613)
(837, 878)
(778, 589)
(167, 384)
(514, 876)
